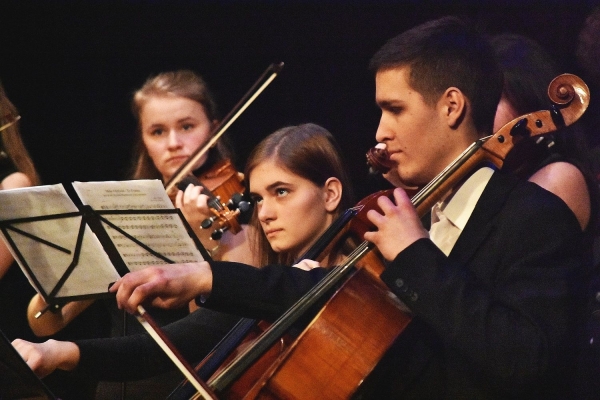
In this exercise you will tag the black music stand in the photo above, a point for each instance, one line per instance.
(97, 222)
(17, 380)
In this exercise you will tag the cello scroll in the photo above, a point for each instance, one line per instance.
(334, 378)
(570, 97)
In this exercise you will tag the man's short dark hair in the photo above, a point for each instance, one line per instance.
(443, 53)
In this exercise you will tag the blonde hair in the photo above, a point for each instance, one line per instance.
(181, 83)
(12, 144)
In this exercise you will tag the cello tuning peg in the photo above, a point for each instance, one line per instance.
(520, 128)
(548, 140)
(378, 159)
(557, 117)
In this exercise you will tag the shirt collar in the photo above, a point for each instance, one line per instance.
(460, 206)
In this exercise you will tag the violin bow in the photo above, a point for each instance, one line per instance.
(268, 76)
(182, 172)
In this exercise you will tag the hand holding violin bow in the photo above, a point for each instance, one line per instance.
(222, 184)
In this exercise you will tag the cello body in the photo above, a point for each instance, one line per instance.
(345, 341)
(339, 348)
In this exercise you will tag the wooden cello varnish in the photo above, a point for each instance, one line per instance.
(345, 341)
(341, 346)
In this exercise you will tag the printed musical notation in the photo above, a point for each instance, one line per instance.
(140, 195)
(42, 226)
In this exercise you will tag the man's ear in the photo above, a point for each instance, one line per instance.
(454, 106)
(332, 191)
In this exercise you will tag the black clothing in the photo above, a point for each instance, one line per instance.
(138, 356)
(496, 319)
(15, 294)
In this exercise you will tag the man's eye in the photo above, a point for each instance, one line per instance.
(256, 200)
(281, 192)
(188, 127)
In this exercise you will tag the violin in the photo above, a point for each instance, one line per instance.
(341, 346)
(222, 183)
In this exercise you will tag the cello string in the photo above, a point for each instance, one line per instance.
(9, 124)
(477, 152)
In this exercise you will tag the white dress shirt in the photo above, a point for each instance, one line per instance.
(449, 216)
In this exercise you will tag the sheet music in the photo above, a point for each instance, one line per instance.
(94, 271)
(164, 233)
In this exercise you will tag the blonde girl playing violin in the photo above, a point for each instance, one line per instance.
(176, 114)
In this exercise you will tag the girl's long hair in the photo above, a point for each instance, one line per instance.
(308, 151)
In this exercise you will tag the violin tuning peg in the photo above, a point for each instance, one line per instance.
(207, 223)
(244, 206)
(236, 198)
(217, 234)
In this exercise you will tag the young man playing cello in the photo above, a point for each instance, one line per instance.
(495, 294)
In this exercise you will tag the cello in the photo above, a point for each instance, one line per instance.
(289, 377)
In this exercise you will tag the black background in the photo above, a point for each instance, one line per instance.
(70, 67)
